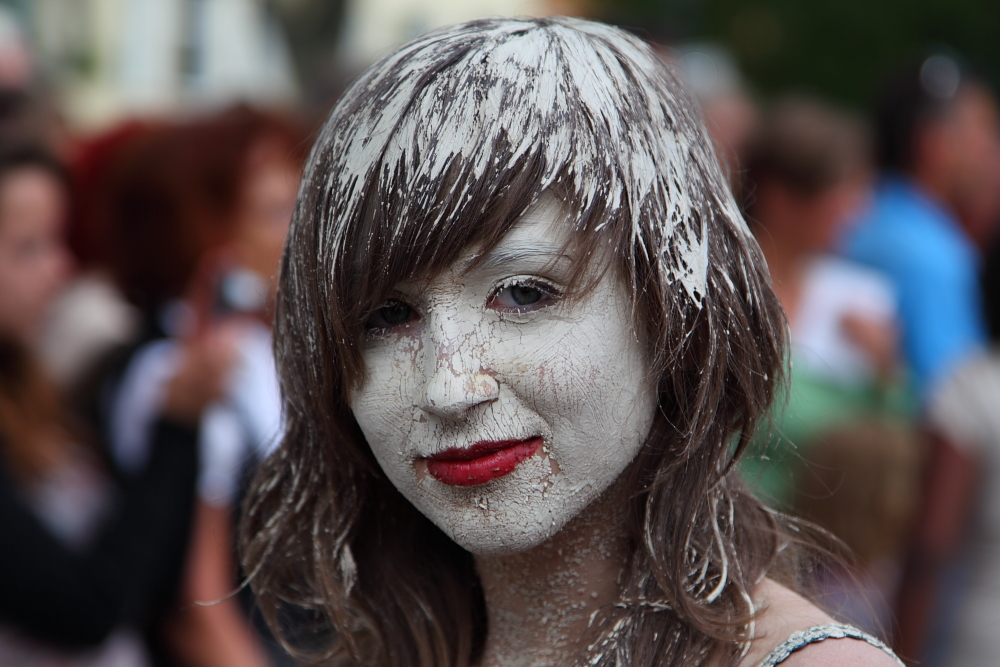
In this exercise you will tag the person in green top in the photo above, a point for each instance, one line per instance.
(807, 174)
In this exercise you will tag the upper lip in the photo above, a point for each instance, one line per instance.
(476, 450)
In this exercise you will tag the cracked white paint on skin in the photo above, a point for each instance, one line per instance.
(572, 372)
(540, 602)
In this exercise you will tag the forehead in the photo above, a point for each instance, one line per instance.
(540, 239)
(543, 231)
(29, 176)
(30, 187)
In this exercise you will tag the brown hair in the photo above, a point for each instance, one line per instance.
(342, 564)
(34, 429)
(806, 146)
(861, 482)
(172, 193)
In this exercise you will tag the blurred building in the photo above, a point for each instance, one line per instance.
(373, 28)
(111, 58)
(108, 59)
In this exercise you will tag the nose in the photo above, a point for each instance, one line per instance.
(456, 379)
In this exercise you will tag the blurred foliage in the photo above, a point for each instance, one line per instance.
(20, 6)
(313, 30)
(837, 48)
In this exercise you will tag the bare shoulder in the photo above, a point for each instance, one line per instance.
(837, 652)
(784, 613)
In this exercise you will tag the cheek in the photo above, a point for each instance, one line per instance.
(384, 405)
(26, 288)
(586, 380)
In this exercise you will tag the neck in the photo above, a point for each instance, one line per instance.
(539, 602)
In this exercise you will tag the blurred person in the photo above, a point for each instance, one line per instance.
(88, 555)
(198, 215)
(937, 130)
(27, 109)
(91, 315)
(978, 207)
(730, 113)
(808, 173)
(964, 411)
(242, 428)
(861, 483)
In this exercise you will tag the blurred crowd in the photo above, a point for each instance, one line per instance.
(137, 383)
(881, 235)
(138, 389)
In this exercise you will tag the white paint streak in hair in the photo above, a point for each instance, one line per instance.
(509, 90)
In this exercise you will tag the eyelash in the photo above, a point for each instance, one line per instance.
(372, 325)
(549, 294)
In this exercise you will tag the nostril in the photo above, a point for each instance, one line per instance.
(451, 396)
(455, 379)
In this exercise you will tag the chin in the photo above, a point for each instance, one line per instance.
(504, 532)
(505, 516)
(501, 540)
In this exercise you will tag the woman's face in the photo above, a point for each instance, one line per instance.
(498, 407)
(812, 223)
(34, 261)
(266, 206)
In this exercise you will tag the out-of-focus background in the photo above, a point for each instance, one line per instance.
(150, 152)
(107, 59)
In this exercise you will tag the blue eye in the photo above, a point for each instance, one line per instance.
(390, 314)
(523, 296)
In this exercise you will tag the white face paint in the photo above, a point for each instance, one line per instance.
(496, 355)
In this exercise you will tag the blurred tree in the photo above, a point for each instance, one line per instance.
(838, 48)
(20, 6)
(313, 29)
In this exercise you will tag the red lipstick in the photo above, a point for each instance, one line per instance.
(481, 462)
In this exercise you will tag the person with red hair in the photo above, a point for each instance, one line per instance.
(88, 553)
(195, 215)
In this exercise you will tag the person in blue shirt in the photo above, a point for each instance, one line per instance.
(938, 132)
(936, 129)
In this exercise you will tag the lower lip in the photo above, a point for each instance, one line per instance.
(480, 463)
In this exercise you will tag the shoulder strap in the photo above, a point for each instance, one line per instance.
(818, 633)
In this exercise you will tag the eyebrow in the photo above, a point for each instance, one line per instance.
(500, 257)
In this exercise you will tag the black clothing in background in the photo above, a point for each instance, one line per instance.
(990, 284)
(130, 576)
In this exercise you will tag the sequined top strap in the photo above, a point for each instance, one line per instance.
(818, 633)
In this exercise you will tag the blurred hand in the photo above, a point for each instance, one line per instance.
(878, 340)
(206, 360)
